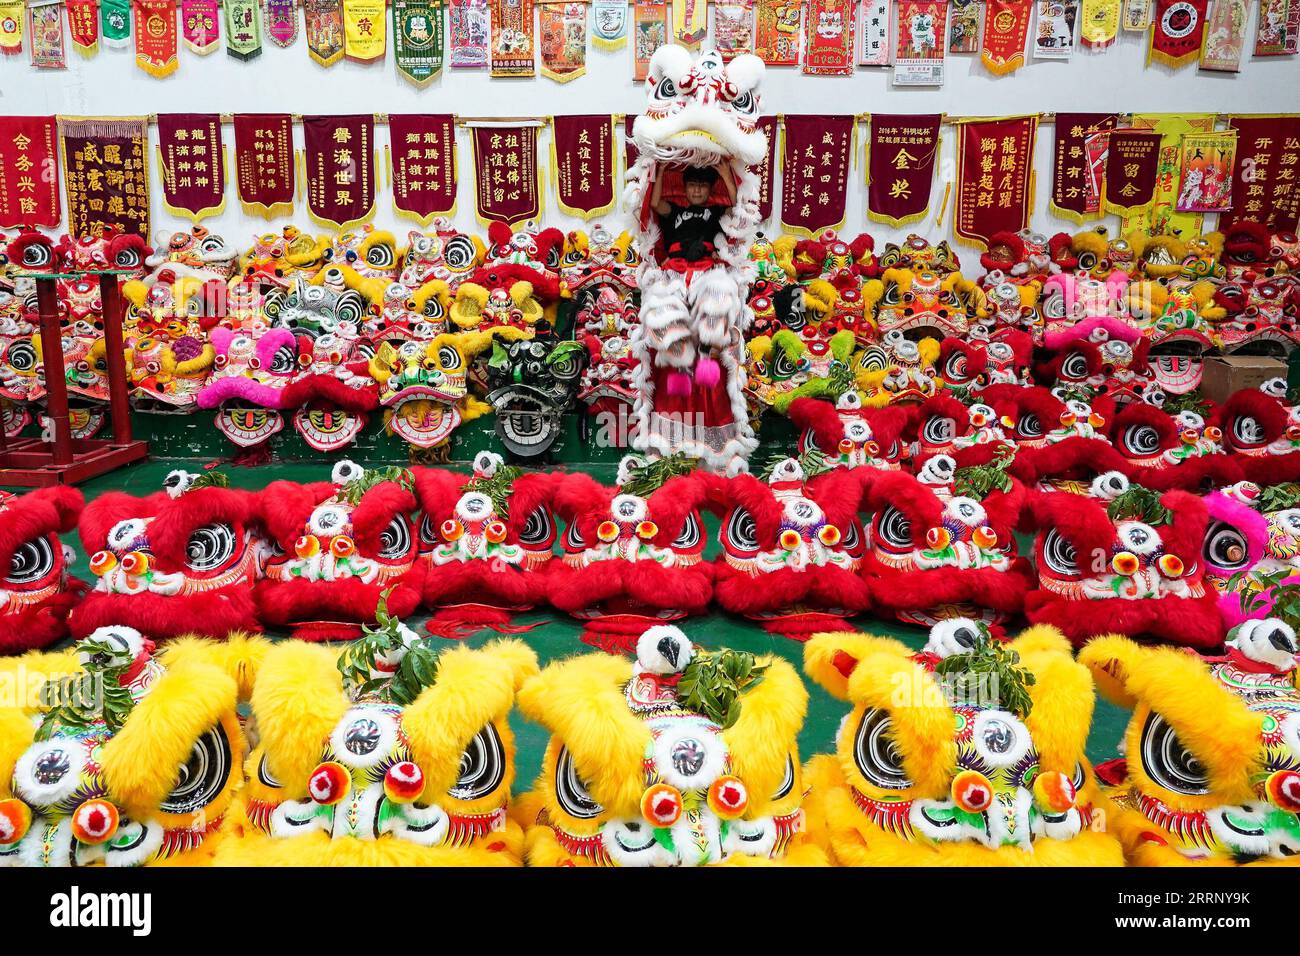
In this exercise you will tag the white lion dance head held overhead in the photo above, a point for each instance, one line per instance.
(693, 193)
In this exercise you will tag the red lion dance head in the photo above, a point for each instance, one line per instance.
(37, 592)
(486, 542)
(179, 561)
(1128, 566)
(340, 545)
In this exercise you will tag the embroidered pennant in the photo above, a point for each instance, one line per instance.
(471, 33)
(1177, 33)
(1005, 30)
(900, 167)
(563, 40)
(815, 172)
(1277, 31)
(1100, 23)
(994, 177)
(264, 174)
(192, 163)
(512, 38)
(582, 155)
(1132, 169)
(1268, 147)
(106, 174)
(828, 38)
(83, 26)
(155, 37)
(281, 17)
(364, 30)
(29, 195)
(417, 39)
(243, 29)
(776, 31)
(505, 174)
(324, 19)
(422, 161)
(609, 23)
(1225, 36)
(1071, 196)
(1207, 161)
(115, 22)
(200, 25)
(340, 163)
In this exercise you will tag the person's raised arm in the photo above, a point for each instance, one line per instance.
(657, 202)
(724, 171)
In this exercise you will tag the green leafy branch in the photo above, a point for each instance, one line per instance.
(992, 667)
(417, 669)
(371, 477)
(497, 487)
(712, 684)
(1139, 504)
(647, 478)
(979, 481)
(80, 700)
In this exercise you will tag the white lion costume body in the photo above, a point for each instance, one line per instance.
(690, 342)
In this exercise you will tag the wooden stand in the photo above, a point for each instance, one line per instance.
(35, 462)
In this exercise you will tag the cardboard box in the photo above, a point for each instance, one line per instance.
(1224, 374)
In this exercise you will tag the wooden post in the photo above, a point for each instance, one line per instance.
(110, 297)
(56, 385)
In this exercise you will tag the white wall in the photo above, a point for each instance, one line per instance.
(289, 81)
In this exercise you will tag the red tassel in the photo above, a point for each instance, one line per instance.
(800, 627)
(252, 457)
(617, 633)
(463, 620)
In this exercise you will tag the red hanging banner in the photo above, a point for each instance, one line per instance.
(83, 26)
(768, 125)
(995, 180)
(155, 37)
(1177, 32)
(582, 155)
(423, 164)
(828, 38)
(815, 172)
(505, 174)
(192, 162)
(340, 161)
(1132, 170)
(1264, 186)
(900, 167)
(29, 172)
(264, 163)
(1006, 27)
(1071, 197)
(106, 174)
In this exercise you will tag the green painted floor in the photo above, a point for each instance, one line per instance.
(558, 636)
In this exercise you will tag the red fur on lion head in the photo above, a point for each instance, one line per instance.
(37, 588)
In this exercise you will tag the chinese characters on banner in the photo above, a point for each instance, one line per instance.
(155, 37)
(243, 29)
(776, 37)
(29, 172)
(364, 30)
(417, 39)
(649, 33)
(690, 21)
(1177, 32)
(106, 174)
(1206, 163)
(340, 160)
(423, 163)
(919, 49)
(1277, 30)
(1100, 23)
(505, 174)
(1264, 186)
(828, 40)
(1225, 36)
(768, 125)
(11, 27)
(324, 19)
(83, 26)
(563, 43)
(1132, 168)
(582, 152)
(1054, 36)
(264, 163)
(733, 27)
(469, 34)
(815, 172)
(192, 162)
(994, 177)
(45, 24)
(900, 167)
(1005, 27)
(873, 33)
(199, 25)
(1072, 196)
(281, 21)
(512, 38)
(609, 23)
(1161, 217)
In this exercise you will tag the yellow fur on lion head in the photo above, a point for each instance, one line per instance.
(621, 741)
(1208, 749)
(156, 764)
(454, 733)
(920, 752)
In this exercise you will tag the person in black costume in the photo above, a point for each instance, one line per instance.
(688, 231)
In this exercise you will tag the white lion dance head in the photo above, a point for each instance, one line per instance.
(702, 112)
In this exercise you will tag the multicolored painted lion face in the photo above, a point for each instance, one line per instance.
(276, 259)
(636, 774)
(939, 765)
(702, 110)
(37, 591)
(849, 435)
(198, 252)
(920, 255)
(1130, 564)
(531, 383)
(446, 255)
(366, 759)
(247, 385)
(923, 300)
(1212, 769)
(96, 783)
(371, 252)
(423, 384)
(896, 370)
(176, 562)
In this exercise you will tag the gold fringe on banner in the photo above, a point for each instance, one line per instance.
(275, 210)
(803, 231)
(181, 213)
(866, 177)
(1081, 218)
(351, 223)
(613, 177)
